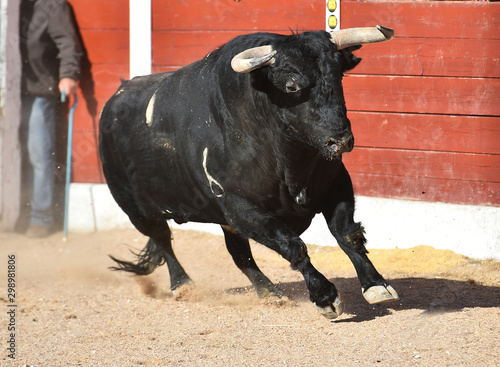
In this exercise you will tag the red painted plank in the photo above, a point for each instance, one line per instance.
(456, 96)
(84, 152)
(427, 189)
(442, 165)
(97, 14)
(432, 39)
(431, 57)
(85, 157)
(370, 184)
(410, 19)
(87, 174)
(181, 48)
(434, 19)
(83, 121)
(431, 176)
(108, 78)
(467, 134)
(414, 57)
(106, 46)
(409, 188)
(230, 15)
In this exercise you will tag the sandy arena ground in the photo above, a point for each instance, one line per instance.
(73, 311)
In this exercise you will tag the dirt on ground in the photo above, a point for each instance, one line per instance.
(71, 310)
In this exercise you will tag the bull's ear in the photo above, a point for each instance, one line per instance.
(353, 48)
(253, 58)
(351, 61)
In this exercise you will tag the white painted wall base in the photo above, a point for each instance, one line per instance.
(473, 231)
(92, 208)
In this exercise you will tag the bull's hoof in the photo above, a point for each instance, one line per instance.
(186, 292)
(380, 294)
(333, 310)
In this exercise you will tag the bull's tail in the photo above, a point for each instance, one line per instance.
(148, 259)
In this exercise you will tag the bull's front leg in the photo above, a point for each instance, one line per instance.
(265, 229)
(339, 214)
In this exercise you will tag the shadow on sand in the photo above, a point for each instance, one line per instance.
(427, 294)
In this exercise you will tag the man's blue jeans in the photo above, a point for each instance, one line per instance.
(38, 133)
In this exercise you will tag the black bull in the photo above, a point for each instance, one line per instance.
(251, 142)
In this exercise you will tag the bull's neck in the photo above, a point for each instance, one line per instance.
(299, 164)
(258, 122)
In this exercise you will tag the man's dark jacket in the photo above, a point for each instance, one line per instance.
(50, 46)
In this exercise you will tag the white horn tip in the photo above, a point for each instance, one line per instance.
(387, 32)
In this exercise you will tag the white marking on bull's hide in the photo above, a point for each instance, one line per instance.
(210, 178)
(150, 110)
(120, 91)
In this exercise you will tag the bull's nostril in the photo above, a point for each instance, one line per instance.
(332, 146)
(330, 142)
(335, 147)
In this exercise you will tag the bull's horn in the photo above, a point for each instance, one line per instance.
(357, 36)
(253, 58)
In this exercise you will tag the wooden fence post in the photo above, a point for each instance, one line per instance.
(10, 118)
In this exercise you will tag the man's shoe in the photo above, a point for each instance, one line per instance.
(37, 231)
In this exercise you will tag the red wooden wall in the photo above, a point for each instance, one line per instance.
(425, 107)
(104, 29)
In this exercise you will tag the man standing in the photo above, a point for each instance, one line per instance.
(51, 52)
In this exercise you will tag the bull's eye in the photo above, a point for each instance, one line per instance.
(292, 86)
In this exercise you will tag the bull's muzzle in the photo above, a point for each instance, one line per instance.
(335, 147)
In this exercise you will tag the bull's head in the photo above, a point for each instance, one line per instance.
(303, 78)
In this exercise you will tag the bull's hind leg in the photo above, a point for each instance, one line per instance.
(158, 250)
(239, 248)
(350, 237)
